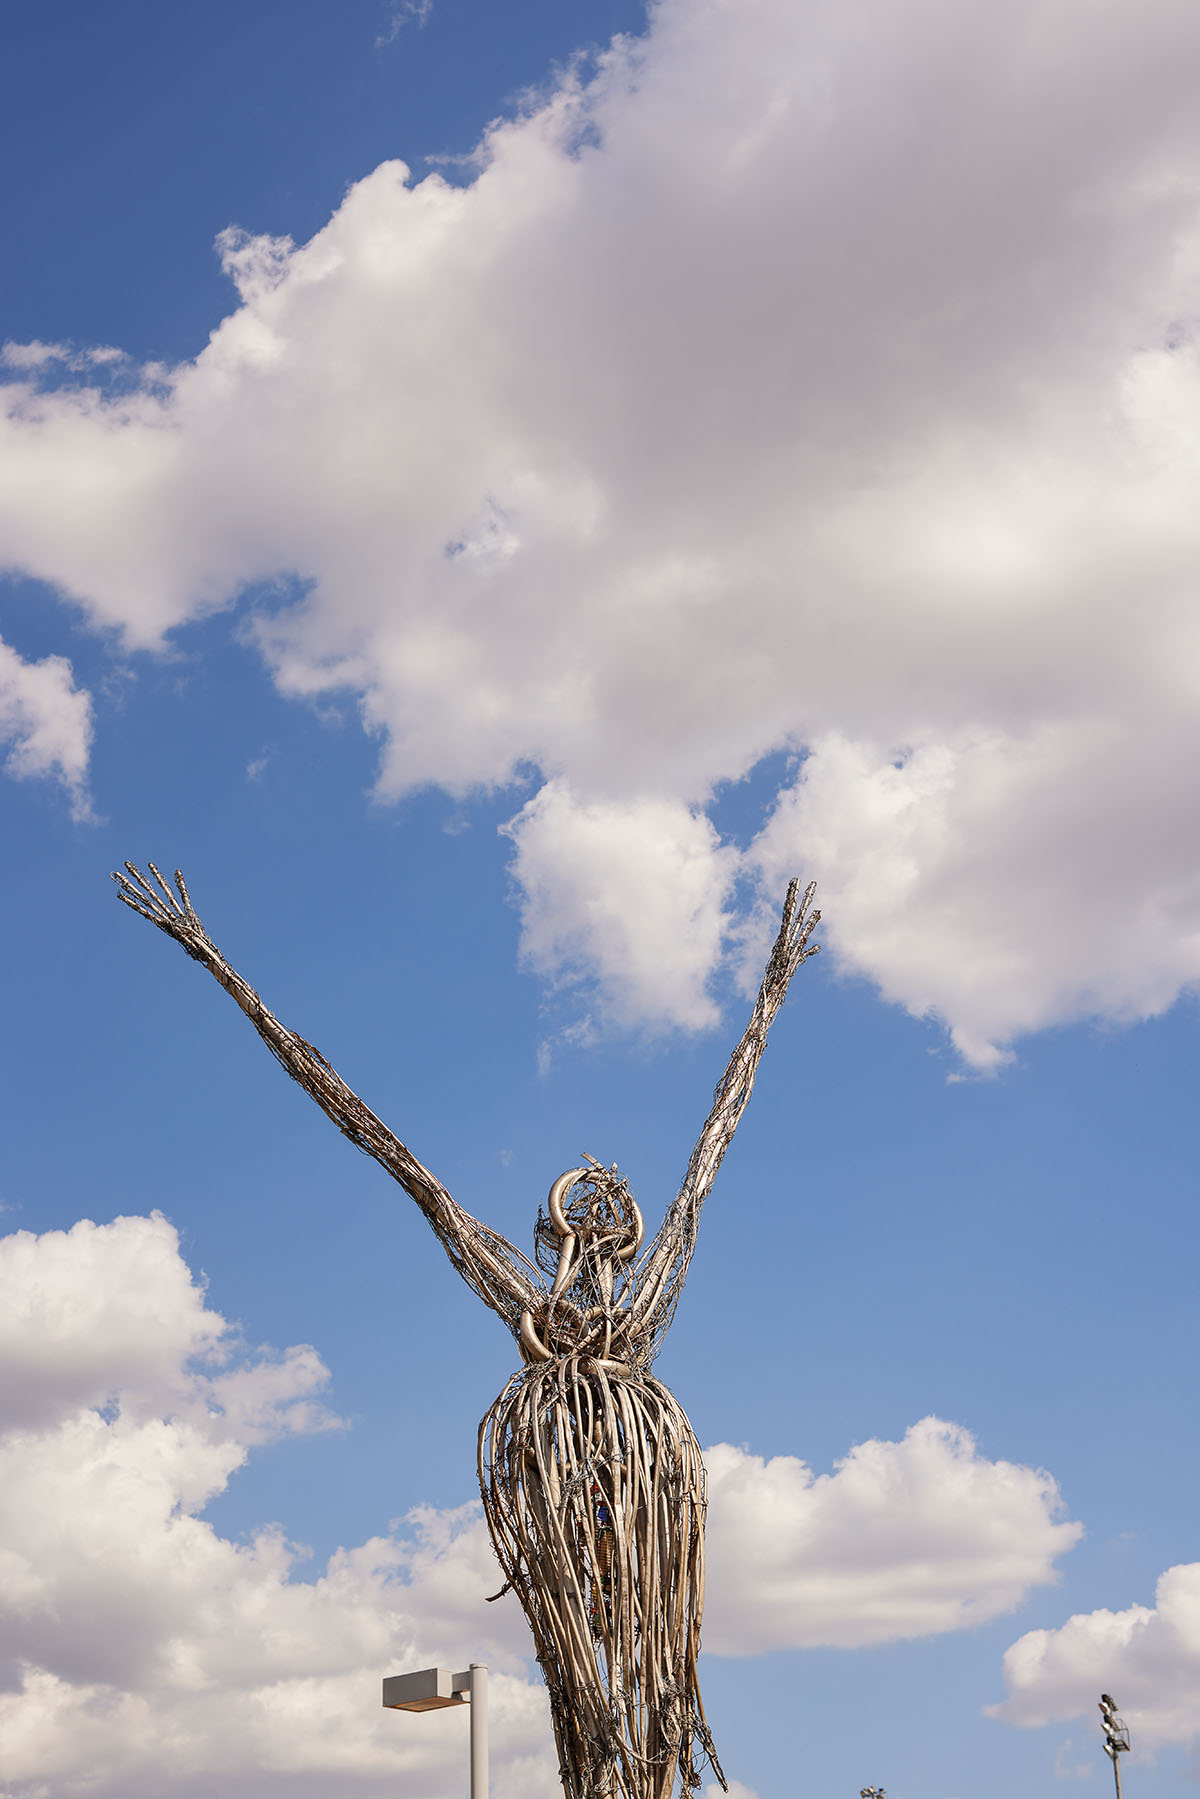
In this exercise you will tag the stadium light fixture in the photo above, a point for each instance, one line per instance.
(1116, 1736)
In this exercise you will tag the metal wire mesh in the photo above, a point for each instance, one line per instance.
(593, 1487)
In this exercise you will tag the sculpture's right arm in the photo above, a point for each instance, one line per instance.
(488, 1263)
(662, 1271)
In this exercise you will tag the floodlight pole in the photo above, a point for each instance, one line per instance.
(1116, 1736)
(432, 1689)
(479, 1731)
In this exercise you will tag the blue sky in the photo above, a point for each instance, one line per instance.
(770, 453)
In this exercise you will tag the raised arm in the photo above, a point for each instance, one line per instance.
(659, 1279)
(500, 1274)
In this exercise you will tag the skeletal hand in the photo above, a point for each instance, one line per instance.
(799, 921)
(176, 916)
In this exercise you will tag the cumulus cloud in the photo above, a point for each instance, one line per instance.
(802, 377)
(904, 847)
(633, 892)
(47, 722)
(1148, 1655)
(37, 355)
(903, 1540)
(89, 1311)
(147, 1657)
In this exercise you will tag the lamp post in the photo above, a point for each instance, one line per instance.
(1116, 1736)
(433, 1688)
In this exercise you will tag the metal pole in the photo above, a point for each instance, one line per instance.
(479, 1732)
(1116, 1762)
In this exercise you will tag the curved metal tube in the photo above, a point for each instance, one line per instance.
(627, 1255)
(554, 1205)
(531, 1342)
(566, 1256)
(558, 1193)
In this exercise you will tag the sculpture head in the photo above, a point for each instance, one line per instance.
(589, 1235)
(595, 1209)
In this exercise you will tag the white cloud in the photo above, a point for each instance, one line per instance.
(404, 12)
(974, 879)
(147, 1657)
(47, 721)
(37, 355)
(632, 893)
(34, 355)
(89, 1311)
(1148, 1656)
(804, 375)
(905, 1539)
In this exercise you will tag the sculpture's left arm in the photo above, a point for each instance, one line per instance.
(498, 1273)
(659, 1279)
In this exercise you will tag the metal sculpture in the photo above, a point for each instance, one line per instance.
(591, 1476)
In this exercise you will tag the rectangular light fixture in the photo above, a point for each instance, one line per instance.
(427, 1691)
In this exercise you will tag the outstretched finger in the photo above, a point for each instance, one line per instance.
(139, 883)
(789, 909)
(808, 920)
(801, 948)
(172, 903)
(186, 897)
(138, 889)
(128, 892)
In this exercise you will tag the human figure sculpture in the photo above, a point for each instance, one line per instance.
(591, 1477)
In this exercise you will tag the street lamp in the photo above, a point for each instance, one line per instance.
(433, 1688)
(1116, 1736)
